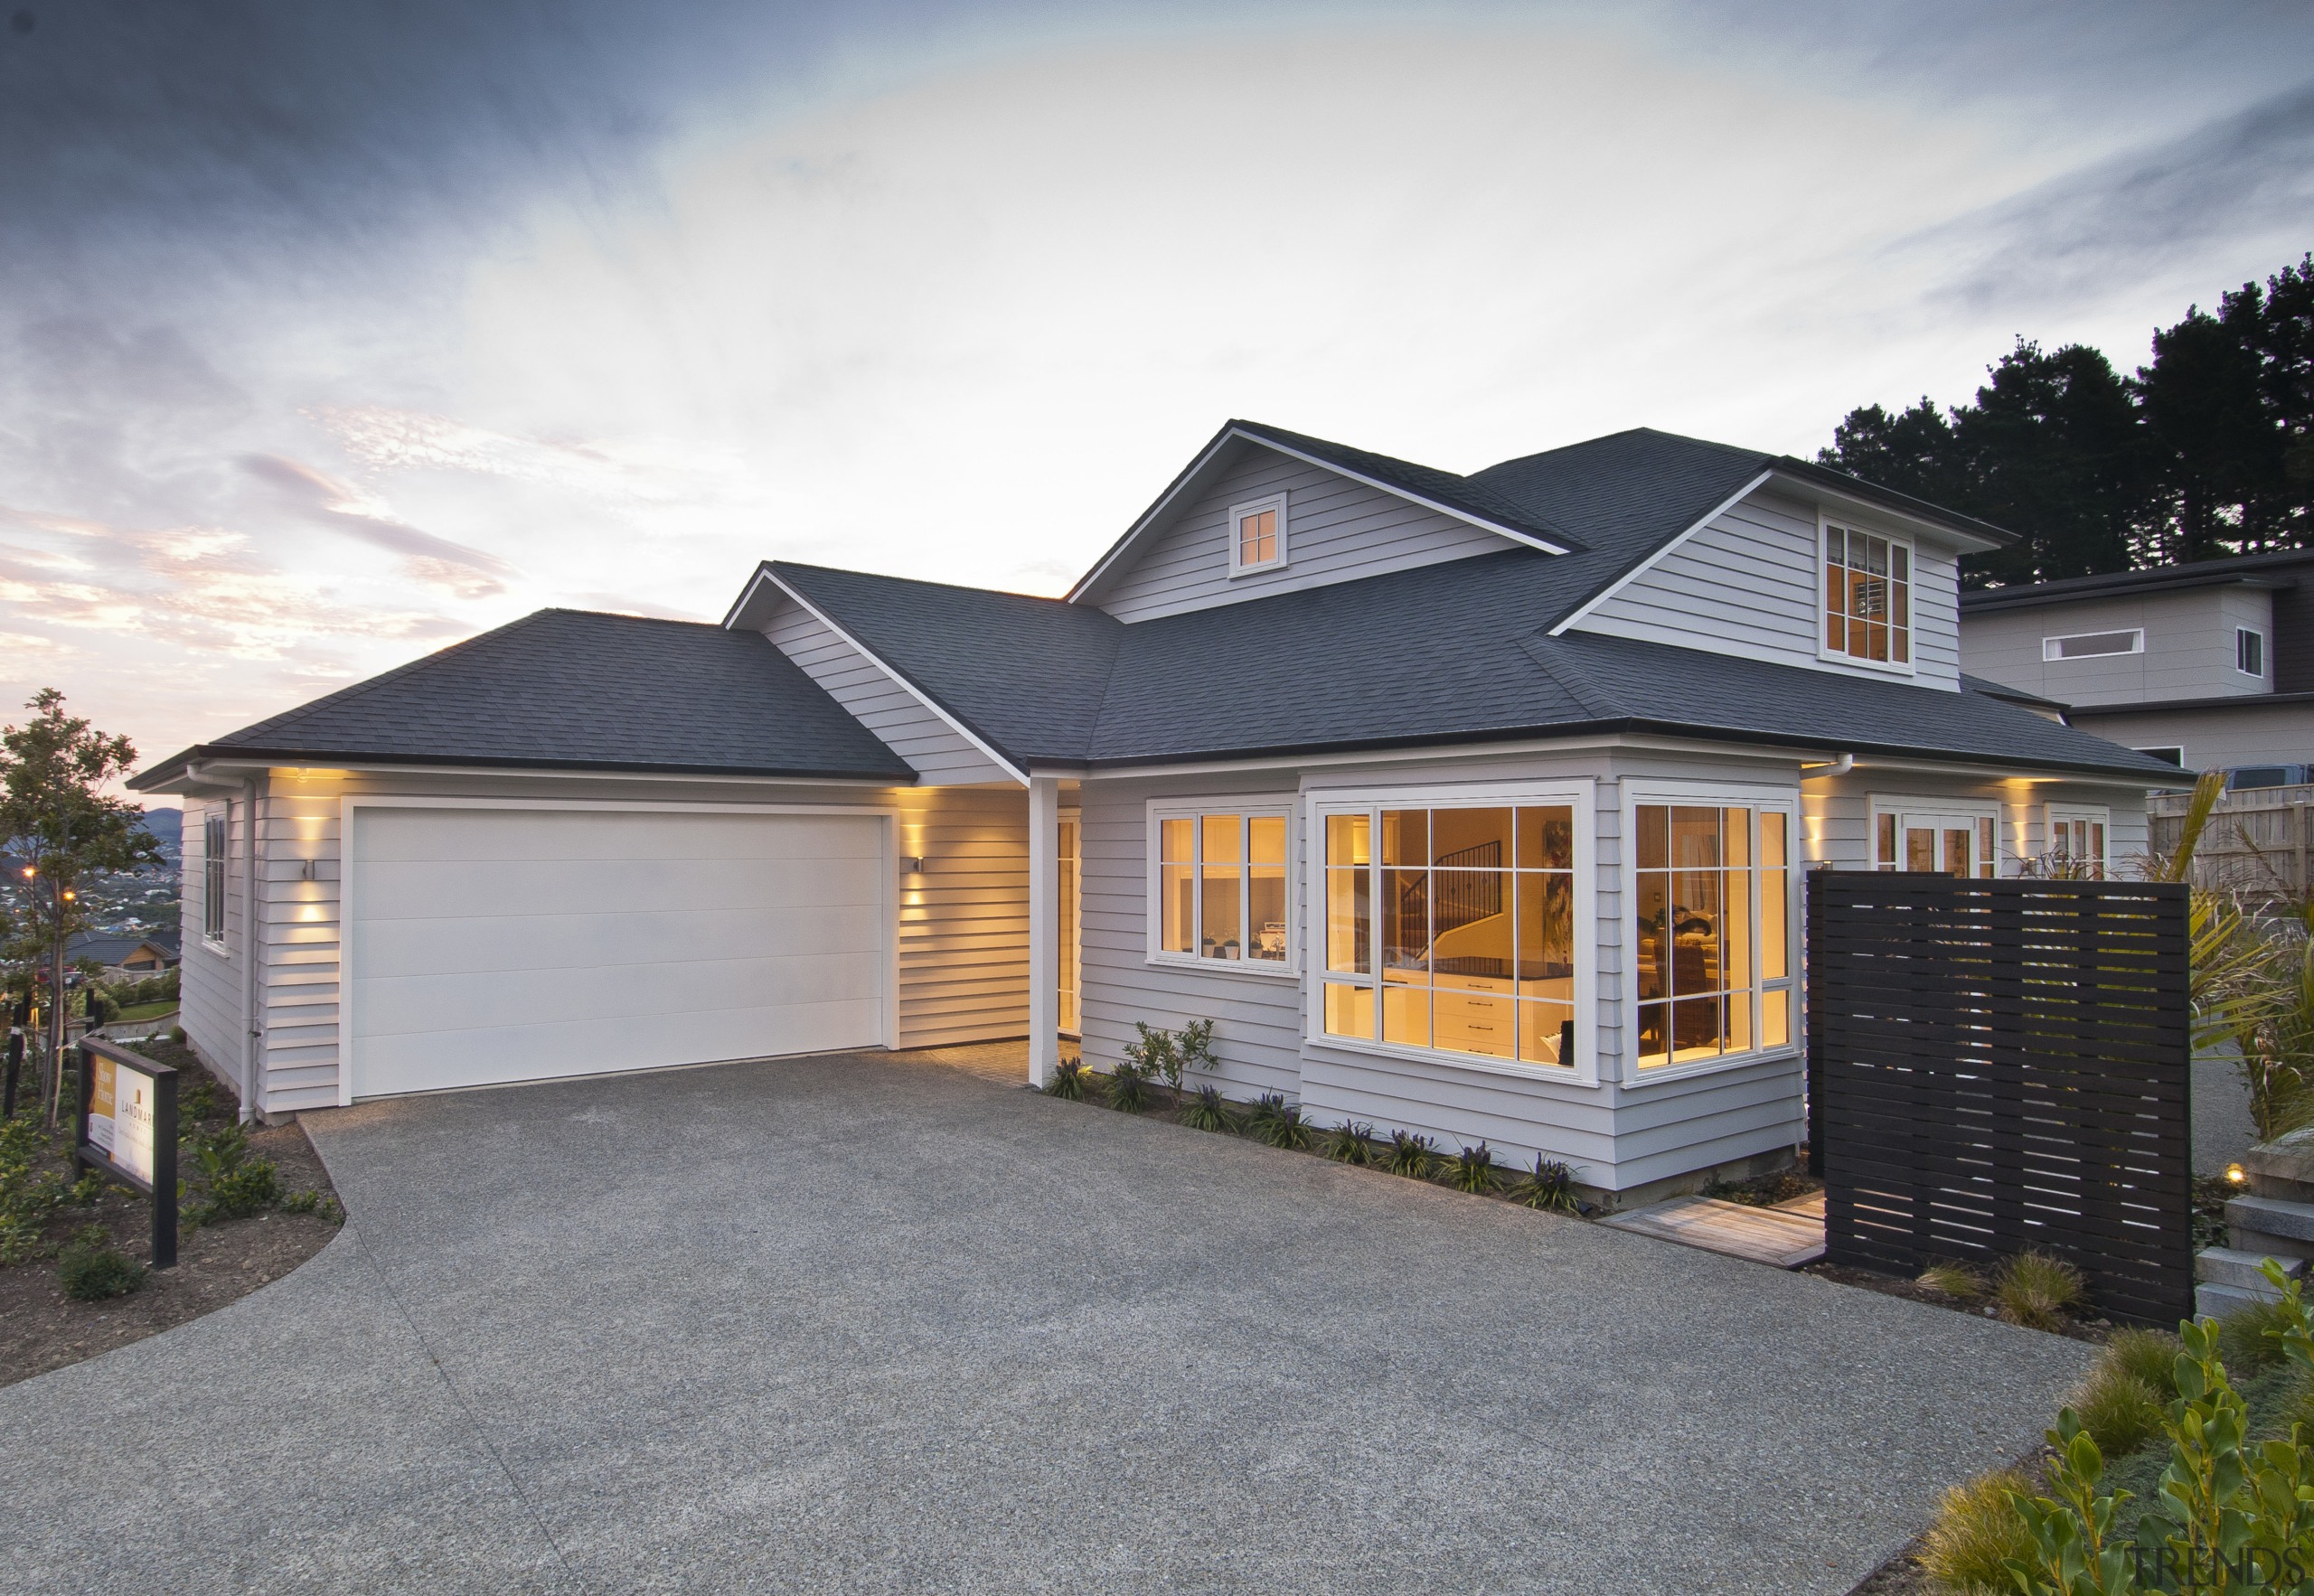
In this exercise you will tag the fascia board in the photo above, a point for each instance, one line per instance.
(905, 685)
(1088, 585)
(1651, 561)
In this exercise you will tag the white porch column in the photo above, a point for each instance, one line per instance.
(1044, 928)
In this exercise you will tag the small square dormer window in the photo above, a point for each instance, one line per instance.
(1257, 535)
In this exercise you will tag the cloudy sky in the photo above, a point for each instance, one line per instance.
(333, 333)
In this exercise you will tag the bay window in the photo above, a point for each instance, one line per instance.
(1451, 928)
(1713, 890)
(1221, 886)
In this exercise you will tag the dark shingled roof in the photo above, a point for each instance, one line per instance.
(1025, 674)
(1442, 653)
(2277, 568)
(577, 690)
(1472, 494)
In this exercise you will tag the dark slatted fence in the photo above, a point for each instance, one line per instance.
(1994, 1065)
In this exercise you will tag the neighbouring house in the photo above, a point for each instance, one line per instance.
(2209, 666)
(124, 958)
(1470, 805)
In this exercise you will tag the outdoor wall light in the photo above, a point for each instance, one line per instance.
(911, 864)
(2235, 1174)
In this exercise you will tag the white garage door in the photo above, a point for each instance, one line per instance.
(511, 944)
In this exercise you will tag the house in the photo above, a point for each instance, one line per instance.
(124, 958)
(1470, 805)
(2208, 665)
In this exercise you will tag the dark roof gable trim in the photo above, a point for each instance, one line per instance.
(1253, 432)
(181, 767)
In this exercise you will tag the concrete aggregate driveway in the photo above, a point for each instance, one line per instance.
(856, 1323)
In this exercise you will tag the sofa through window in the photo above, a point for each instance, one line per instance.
(1453, 929)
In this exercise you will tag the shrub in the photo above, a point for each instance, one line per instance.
(2037, 1289)
(2150, 1356)
(1954, 1280)
(2251, 1335)
(1067, 1080)
(1351, 1142)
(1975, 1533)
(1550, 1185)
(1411, 1154)
(93, 1269)
(2120, 1412)
(314, 1202)
(237, 1184)
(199, 1099)
(1473, 1170)
(1129, 1088)
(1193, 1044)
(1208, 1110)
(1280, 1123)
(176, 1035)
(1155, 1054)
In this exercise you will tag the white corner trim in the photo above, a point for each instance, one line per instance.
(1090, 581)
(1653, 560)
(914, 691)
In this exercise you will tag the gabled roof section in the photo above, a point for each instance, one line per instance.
(577, 689)
(1020, 675)
(1442, 490)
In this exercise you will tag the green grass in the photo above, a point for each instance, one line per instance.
(136, 1012)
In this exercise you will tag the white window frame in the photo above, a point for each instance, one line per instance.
(1785, 801)
(1582, 795)
(2052, 814)
(1194, 810)
(1253, 507)
(215, 872)
(2005, 854)
(2050, 654)
(1825, 525)
(2241, 633)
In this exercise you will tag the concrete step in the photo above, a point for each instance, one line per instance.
(2272, 1216)
(2231, 1266)
(2216, 1301)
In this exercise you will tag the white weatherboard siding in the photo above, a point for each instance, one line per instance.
(1747, 582)
(2259, 731)
(963, 923)
(1836, 824)
(1257, 1034)
(1337, 531)
(210, 981)
(940, 754)
(508, 943)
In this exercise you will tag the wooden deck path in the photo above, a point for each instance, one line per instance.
(1786, 1236)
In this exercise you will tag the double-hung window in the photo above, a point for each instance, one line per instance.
(212, 878)
(1452, 928)
(1868, 598)
(1221, 886)
(1713, 889)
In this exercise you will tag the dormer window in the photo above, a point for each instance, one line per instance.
(1868, 598)
(1257, 535)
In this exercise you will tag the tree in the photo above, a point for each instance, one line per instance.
(2206, 450)
(60, 828)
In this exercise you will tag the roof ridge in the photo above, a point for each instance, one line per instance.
(845, 570)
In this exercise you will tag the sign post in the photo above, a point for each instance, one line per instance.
(126, 1128)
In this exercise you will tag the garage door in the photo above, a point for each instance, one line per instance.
(511, 944)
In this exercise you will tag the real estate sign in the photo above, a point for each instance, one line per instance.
(121, 1108)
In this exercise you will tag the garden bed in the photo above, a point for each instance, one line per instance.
(218, 1262)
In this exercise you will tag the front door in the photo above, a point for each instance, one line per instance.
(1937, 844)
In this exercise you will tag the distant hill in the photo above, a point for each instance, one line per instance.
(167, 826)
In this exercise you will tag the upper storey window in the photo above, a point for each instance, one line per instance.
(1868, 598)
(1257, 535)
